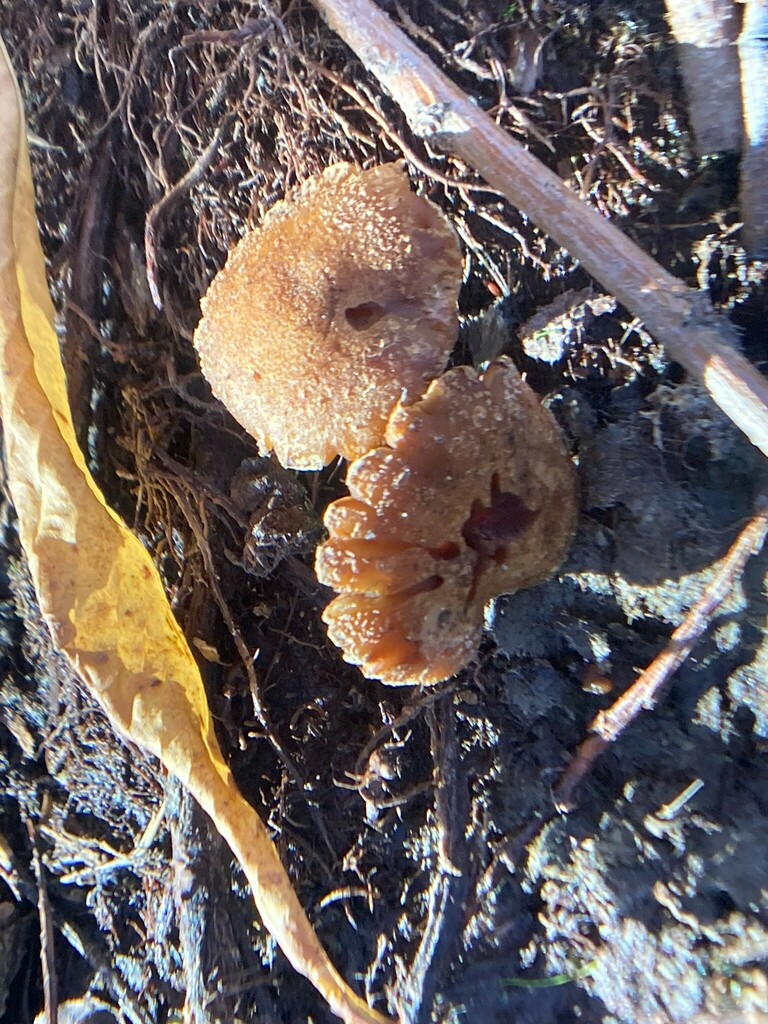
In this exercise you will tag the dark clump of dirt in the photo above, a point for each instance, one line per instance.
(418, 827)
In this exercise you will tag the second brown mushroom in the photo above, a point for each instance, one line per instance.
(473, 496)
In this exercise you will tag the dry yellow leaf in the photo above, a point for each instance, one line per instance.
(98, 589)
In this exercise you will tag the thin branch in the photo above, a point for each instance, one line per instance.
(47, 961)
(705, 32)
(440, 113)
(753, 57)
(107, 977)
(644, 692)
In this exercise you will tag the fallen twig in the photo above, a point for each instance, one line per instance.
(110, 980)
(644, 692)
(439, 112)
(753, 55)
(47, 962)
(705, 33)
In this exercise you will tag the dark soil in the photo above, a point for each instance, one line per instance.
(418, 827)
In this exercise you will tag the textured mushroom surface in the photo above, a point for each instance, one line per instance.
(473, 496)
(344, 300)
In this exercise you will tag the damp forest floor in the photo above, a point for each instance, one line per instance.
(418, 827)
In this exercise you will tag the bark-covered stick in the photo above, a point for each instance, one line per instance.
(705, 32)
(438, 111)
(753, 53)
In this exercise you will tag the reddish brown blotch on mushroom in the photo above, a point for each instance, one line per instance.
(474, 495)
(343, 302)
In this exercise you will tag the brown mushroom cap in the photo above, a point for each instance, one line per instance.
(474, 496)
(340, 303)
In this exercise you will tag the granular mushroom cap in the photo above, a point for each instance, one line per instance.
(473, 496)
(343, 302)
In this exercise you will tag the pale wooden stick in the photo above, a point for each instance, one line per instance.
(439, 112)
(753, 53)
(705, 32)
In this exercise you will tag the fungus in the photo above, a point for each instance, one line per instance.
(339, 305)
(472, 496)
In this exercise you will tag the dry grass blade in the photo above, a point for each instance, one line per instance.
(97, 587)
(440, 113)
